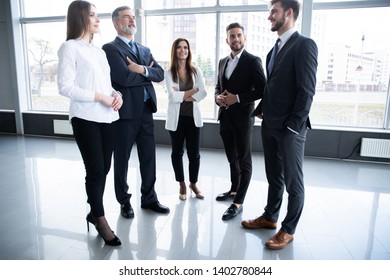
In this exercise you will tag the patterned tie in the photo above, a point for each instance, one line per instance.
(135, 50)
(133, 47)
(273, 56)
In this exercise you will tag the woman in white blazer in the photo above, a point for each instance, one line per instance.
(186, 88)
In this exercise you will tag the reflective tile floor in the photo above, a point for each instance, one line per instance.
(43, 208)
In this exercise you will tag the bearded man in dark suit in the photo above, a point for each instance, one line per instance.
(133, 69)
(285, 107)
(241, 81)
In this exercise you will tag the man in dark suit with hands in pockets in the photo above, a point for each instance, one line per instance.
(288, 95)
(133, 69)
(240, 82)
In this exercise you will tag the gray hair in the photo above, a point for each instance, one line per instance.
(115, 13)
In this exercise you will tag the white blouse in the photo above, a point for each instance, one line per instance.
(83, 69)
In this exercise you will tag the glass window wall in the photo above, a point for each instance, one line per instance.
(353, 73)
(354, 60)
(175, 4)
(161, 31)
(247, 2)
(50, 8)
(42, 43)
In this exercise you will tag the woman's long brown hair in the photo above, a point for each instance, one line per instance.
(77, 19)
(175, 64)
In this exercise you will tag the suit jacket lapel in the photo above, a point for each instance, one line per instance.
(127, 49)
(288, 44)
(282, 51)
(241, 62)
(141, 54)
(222, 70)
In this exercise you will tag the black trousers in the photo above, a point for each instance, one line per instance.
(96, 143)
(283, 155)
(237, 140)
(190, 134)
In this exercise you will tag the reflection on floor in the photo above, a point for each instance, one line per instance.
(43, 208)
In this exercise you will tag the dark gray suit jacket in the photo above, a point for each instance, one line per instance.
(290, 87)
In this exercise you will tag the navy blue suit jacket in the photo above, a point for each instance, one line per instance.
(131, 84)
(290, 86)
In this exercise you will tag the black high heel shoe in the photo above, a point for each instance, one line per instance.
(114, 242)
(90, 219)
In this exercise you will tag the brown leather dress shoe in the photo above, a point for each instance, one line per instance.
(257, 223)
(279, 240)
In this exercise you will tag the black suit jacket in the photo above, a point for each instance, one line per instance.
(247, 80)
(290, 87)
(131, 84)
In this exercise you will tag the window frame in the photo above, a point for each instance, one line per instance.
(308, 7)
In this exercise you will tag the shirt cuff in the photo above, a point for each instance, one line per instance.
(293, 131)
(146, 75)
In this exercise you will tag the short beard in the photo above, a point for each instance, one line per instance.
(279, 24)
(128, 30)
(233, 48)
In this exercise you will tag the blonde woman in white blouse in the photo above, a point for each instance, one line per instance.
(84, 77)
(186, 88)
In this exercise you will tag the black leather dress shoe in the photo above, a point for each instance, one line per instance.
(225, 196)
(156, 207)
(127, 211)
(231, 212)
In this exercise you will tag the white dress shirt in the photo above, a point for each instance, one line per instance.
(232, 64)
(83, 70)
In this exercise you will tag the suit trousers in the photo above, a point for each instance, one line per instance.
(190, 134)
(96, 143)
(283, 155)
(141, 132)
(237, 140)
